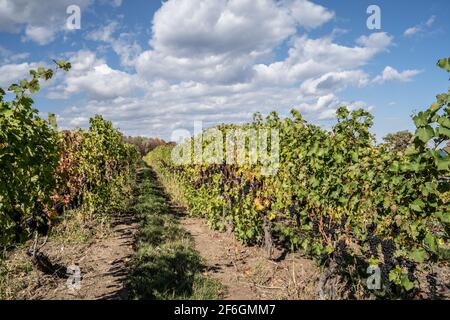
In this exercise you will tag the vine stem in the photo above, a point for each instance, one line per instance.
(33, 252)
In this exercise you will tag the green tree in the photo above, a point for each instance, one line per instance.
(398, 141)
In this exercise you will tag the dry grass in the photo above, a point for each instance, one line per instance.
(19, 279)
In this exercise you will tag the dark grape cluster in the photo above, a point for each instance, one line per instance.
(411, 267)
(395, 230)
(35, 222)
(315, 227)
(292, 209)
(432, 285)
(333, 229)
(343, 219)
(340, 252)
(341, 245)
(247, 187)
(373, 240)
(224, 169)
(330, 228)
(256, 185)
(388, 249)
(254, 189)
(373, 244)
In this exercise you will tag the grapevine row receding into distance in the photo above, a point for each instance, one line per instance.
(43, 170)
(337, 195)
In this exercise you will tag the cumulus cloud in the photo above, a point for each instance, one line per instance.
(7, 56)
(220, 40)
(40, 20)
(94, 77)
(334, 82)
(211, 27)
(215, 61)
(391, 74)
(310, 15)
(311, 58)
(327, 106)
(123, 44)
(11, 73)
(104, 33)
(40, 34)
(377, 41)
(101, 82)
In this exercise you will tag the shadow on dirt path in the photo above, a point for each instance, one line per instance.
(104, 265)
(246, 271)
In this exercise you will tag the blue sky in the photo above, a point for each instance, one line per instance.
(153, 67)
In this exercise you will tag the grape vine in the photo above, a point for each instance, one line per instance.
(336, 194)
(44, 171)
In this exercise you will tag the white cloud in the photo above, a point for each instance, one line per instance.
(411, 31)
(420, 28)
(312, 58)
(93, 77)
(40, 20)
(104, 33)
(430, 21)
(334, 82)
(377, 41)
(310, 15)
(41, 35)
(101, 82)
(7, 56)
(209, 27)
(219, 41)
(391, 74)
(123, 45)
(84, 60)
(113, 3)
(325, 106)
(214, 89)
(215, 61)
(116, 3)
(11, 73)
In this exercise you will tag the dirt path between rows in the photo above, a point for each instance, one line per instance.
(104, 265)
(218, 254)
(246, 271)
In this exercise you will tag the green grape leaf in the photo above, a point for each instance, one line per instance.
(417, 205)
(444, 121)
(406, 283)
(444, 64)
(443, 132)
(420, 120)
(425, 133)
(443, 164)
(418, 255)
(430, 241)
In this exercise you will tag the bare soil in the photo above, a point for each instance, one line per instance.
(104, 262)
(247, 272)
(104, 265)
